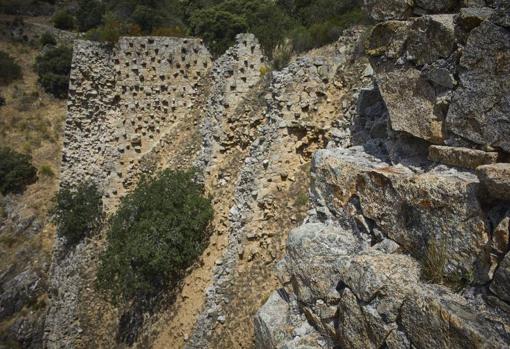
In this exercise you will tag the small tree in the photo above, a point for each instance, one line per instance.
(54, 68)
(158, 231)
(16, 171)
(9, 69)
(78, 211)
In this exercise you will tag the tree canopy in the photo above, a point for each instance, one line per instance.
(310, 23)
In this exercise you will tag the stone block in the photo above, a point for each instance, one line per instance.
(461, 157)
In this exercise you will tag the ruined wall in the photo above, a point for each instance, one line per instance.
(405, 242)
(122, 104)
(126, 104)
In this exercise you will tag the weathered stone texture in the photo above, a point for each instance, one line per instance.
(121, 105)
(461, 157)
(495, 179)
(410, 100)
(382, 223)
(431, 38)
(388, 9)
(480, 108)
(501, 283)
(334, 175)
(436, 318)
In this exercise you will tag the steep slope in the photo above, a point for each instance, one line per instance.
(303, 103)
(30, 122)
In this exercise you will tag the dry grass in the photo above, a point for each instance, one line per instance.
(435, 261)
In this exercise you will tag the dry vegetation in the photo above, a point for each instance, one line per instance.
(30, 123)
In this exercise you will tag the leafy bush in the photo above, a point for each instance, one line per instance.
(218, 25)
(63, 20)
(90, 14)
(54, 68)
(9, 69)
(112, 30)
(308, 23)
(27, 7)
(158, 231)
(48, 39)
(16, 171)
(147, 18)
(78, 211)
(325, 32)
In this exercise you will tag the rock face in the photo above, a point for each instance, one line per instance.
(480, 107)
(299, 108)
(501, 284)
(406, 245)
(410, 101)
(413, 209)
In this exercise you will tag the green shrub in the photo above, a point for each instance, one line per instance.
(9, 69)
(90, 14)
(27, 7)
(16, 171)
(112, 30)
(63, 20)
(54, 67)
(219, 24)
(147, 18)
(157, 233)
(78, 211)
(48, 39)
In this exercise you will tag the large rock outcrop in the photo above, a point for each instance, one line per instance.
(406, 245)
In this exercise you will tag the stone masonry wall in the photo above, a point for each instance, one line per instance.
(122, 103)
